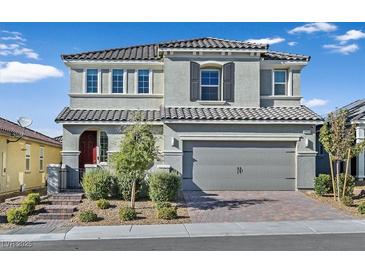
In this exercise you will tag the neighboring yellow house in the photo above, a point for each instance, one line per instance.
(23, 164)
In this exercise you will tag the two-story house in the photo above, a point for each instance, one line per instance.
(227, 114)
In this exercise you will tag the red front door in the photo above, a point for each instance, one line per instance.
(87, 148)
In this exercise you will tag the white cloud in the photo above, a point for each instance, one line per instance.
(343, 49)
(313, 27)
(16, 50)
(292, 43)
(16, 72)
(12, 35)
(269, 41)
(350, 35)
(315, 102)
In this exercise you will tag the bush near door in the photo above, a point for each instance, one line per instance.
(164, 186)
(97, 184)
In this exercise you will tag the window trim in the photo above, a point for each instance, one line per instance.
(124, 81)
(273, 82)
(3, 163)
(41, 158)
(150, 76)
(98, 91)
(28, 157)
(220, 95)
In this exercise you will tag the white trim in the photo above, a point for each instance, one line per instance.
(103, 62)
(269, 64)
(209, 50)
(256, 122)
(3, 163)
(150, 82)
(211, 103)
(28, 157)
(290, 82)
(306, 153)
(41, 148)
(243, 137)
(221, 122)
(273, 82)
(107, 123)
(70, 152)
(91, 95)
(281, 97)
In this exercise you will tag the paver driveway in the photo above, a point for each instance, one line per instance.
(251, 206)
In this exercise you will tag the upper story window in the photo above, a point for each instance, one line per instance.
(210, 84)
(117, 81)
(280, 82)
(143, 81)
(27, 157)
(41, 159)
(91, 80)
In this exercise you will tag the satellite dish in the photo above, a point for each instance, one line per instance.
(24, 121)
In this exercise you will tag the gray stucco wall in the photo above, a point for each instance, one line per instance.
(177, 81)
(116, 101)
(296, 83)
(266, 82)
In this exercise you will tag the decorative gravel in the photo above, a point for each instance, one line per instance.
(359, 198)
(146, 213)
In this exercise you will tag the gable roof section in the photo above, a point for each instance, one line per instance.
(300, 113)
(356, 110)
(10, 128)
(150, 52)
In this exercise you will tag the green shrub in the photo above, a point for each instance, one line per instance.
(162, 204)
(36, 197)
(17, 216)
(125, 182)
(347, 201)
(350, 185)
(88, 216)
(103, 204)
(28, 206)
(361, 208)
(167, 212)
(322, 184)
(127, 214)
(164, 186)
(97, 183)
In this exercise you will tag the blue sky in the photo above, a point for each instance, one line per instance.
(34, 82)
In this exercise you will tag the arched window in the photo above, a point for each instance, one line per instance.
(103, 147)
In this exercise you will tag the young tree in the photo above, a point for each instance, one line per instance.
(338, 138)
(137, 154)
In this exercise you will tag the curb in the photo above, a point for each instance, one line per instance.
(195, 230)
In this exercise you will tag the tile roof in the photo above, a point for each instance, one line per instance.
(300, 113)
(151, 51)
(276, 55)
(356, 109)
(13, 129)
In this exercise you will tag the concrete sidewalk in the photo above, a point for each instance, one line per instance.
(195, 230)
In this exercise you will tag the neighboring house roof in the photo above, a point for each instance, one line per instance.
(58, 138)
(151, 51)
(300, 113)
(10, 128)
(356, 109)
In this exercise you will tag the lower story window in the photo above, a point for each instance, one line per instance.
(103, 147)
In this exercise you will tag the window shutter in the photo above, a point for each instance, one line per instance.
(228, 82)
(194, 81)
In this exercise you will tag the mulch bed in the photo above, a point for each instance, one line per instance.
(352, 210)
(145, 209)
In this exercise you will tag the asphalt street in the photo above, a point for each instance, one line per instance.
(314, 242)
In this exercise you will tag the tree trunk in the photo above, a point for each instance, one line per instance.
(333, 178)
(346, 172)
(338, 179)
(133, 195)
